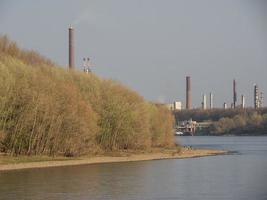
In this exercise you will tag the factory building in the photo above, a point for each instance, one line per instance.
(261, 99)
(258, 97)
(177, 105)
(86, 65)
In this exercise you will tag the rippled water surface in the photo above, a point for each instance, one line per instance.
(241, 175)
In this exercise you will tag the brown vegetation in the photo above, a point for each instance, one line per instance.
(201, 115)
(237, 121)
(8, 47)
(47, 110)
(252, 123)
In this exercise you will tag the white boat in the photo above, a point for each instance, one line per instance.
(179, 133)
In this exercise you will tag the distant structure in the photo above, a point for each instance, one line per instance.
(211, 101)
(256, 97)
(204, 102)
(71, 48)
(234, 94)
(224, 105)
(188, 93)
(177, 105)
(261, 99)
(86, 65)
(242, 101)
(188, 127)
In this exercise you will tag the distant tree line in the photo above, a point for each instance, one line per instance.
(228, 121)
(248, 124)
(201, 115)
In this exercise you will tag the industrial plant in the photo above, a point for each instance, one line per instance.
(86, 65)
(177, 105)
(86, 61)
(257, 99)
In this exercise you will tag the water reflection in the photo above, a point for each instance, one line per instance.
(236, 176)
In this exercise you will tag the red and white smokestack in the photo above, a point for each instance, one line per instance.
(71, 48)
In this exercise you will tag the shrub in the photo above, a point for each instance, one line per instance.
(53, 111)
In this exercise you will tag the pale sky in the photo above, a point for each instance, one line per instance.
(151, 45)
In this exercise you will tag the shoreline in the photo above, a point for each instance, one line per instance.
(184, 153)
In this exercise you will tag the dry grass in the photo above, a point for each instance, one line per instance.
(11, 160)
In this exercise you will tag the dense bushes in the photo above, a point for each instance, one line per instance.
(41, 113)
(252, 123)
(201, 115)
(8, 47)
(161, 129)
(49, 110)
(230, 121)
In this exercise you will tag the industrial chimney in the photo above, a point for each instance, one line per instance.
(242, 101)
(204, 102)
(256, 97)
(234, 94)
(71, 48)
(261, 99)
(188, 93)
(211, 101)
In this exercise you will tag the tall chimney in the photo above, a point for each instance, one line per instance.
(211, 101)
(256, 96)
(188, 93)
(234, 94)
(71, 48)
(242, 101)
(204, 102)
(261, 100)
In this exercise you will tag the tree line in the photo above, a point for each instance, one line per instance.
(248, 124)
(238, 121)
(215, 114)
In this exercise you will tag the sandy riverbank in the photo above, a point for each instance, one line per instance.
(184, 153)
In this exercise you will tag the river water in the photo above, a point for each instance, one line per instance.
(240, 175)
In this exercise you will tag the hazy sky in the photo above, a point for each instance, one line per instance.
(151, 45)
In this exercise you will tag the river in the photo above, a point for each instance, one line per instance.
(240, 175)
